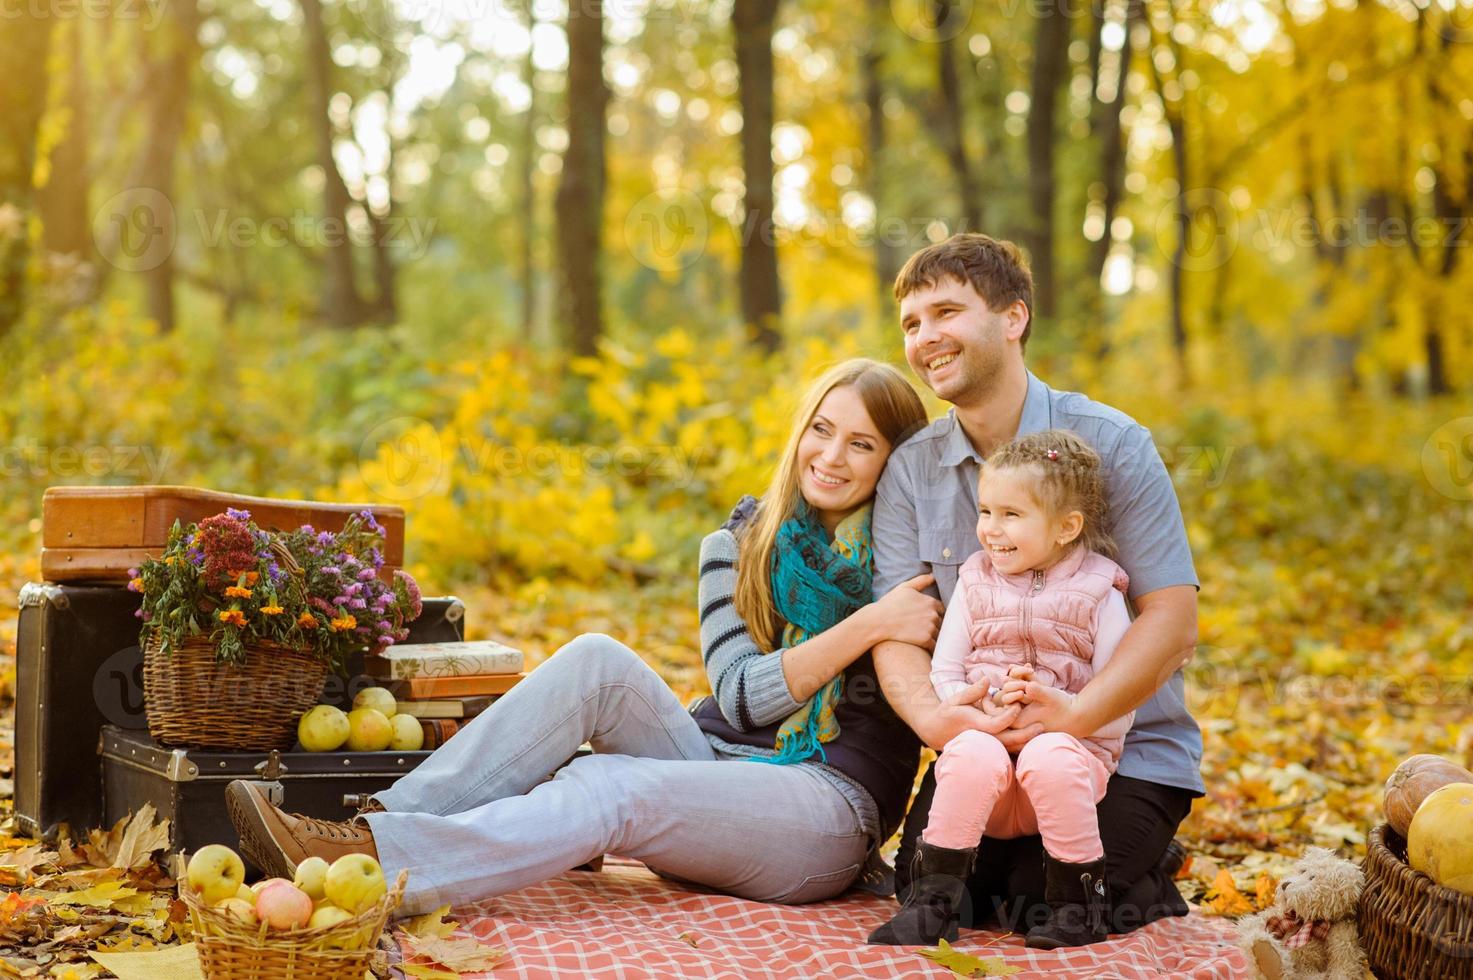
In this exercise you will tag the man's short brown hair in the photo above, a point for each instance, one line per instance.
(995, 268)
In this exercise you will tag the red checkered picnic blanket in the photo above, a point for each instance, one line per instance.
(626, 923)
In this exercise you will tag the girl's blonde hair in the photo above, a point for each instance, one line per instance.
(1067, 476)
(896, 411)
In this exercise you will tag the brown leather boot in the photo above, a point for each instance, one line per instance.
(276, 841)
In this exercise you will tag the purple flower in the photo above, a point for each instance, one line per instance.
(384, 625)
(308, 529)
(386, 640)
(368, 519)
(132, 573)
(331, 570)
(367, 575)
(357, 604)
(138, 613)
(375, 558)
(341, 600)
(239, 515)
(353, 589)
(325, 538)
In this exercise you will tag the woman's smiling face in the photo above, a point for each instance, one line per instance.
(840, 456)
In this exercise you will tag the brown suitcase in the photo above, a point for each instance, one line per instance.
(95, 534)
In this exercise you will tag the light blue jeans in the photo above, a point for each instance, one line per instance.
(479, 817)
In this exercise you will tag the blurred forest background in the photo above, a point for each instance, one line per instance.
(550, 275)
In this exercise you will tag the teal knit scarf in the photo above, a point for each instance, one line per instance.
(815, 584)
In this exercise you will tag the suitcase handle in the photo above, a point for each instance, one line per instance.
(268, 773)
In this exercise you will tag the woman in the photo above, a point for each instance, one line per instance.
(786, 625)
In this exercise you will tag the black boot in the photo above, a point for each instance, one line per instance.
(932, 909)
(1078, 901)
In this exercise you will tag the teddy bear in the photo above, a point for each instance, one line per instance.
(1309, 931)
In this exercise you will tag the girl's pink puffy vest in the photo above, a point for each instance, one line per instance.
(1044, 619)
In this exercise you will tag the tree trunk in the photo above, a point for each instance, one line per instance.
(1177, 125)
(22, 101)
(177, 50)
(1106, 123)
(528, 164)
(580, 196)
(752, 22)
(887, 261)
(1050, 48)
(62, 200)
(341, 303)
(952, 118)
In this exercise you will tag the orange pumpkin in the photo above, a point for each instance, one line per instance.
(1413, 781)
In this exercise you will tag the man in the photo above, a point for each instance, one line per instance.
(965, 311)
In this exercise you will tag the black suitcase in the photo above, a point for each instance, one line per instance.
(188, 785)
(79, 666)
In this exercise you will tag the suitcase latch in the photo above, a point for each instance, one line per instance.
(268, 773)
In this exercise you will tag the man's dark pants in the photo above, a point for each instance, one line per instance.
(1137, 821)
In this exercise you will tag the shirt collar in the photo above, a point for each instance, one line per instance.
(1037, 416)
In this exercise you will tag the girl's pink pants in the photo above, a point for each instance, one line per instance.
(1050, 790)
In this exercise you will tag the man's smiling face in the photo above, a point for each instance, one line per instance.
(955, 344)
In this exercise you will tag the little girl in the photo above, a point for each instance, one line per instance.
(1041, 603)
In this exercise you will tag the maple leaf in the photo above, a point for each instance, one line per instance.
(465, 955)
(140, 839)
(1223, 898)
(1265, 886)
(430, 924)
(967, 965)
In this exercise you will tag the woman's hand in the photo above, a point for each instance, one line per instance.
(907, 614)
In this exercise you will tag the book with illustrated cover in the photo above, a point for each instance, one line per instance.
(457, 708)
(471, 685)
(444, 660)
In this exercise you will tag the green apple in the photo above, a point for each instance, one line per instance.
(215, 872)
(311, 876)
(328, 915)
(239, 908)
(323, 729)
(376, 697)
(408, 735)
(245, 894)
(355, 882)
(369, 730)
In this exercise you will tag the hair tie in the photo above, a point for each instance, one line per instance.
(1052, 454)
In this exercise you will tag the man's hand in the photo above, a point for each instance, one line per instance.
(960, 713)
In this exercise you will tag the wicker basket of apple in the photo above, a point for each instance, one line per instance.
(324, 924)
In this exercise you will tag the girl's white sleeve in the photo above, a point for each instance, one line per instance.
(1112, 620)
(953, 643)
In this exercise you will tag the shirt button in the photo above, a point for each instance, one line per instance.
(945, 552)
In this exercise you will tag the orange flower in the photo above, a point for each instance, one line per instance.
(307, 621)
(341, 623)
(236, 592)
(171, 559)
(272, 610)
(232, 616)
(136, 584)
(252, 577)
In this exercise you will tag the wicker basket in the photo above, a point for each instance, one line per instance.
(231, 950)
(194, 702)
(1411, 927)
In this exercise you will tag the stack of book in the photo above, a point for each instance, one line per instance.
(445, 685)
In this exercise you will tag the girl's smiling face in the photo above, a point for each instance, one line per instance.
(840, 457)
(1017, 531)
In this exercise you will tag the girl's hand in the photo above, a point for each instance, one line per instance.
(906, 614)
(966, 710)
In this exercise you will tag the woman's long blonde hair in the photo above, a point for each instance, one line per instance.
(896, 410)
